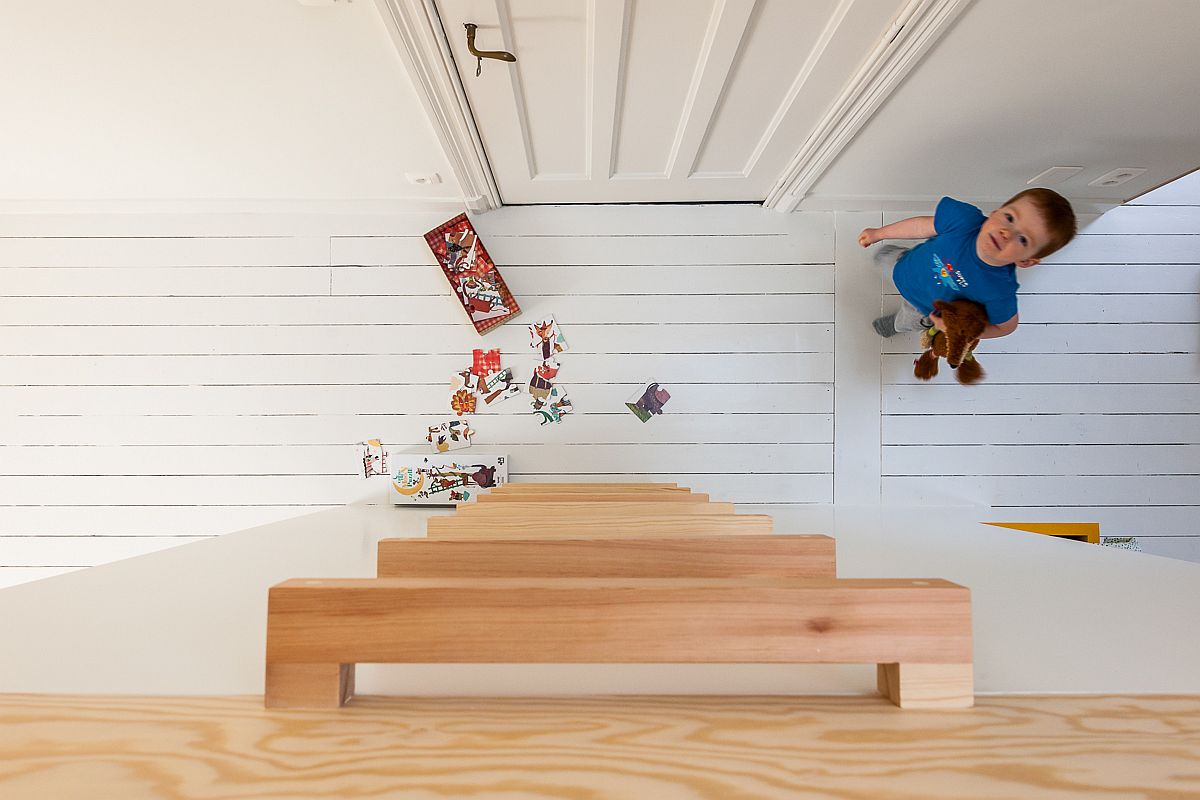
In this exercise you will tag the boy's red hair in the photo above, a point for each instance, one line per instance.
(1056, 213)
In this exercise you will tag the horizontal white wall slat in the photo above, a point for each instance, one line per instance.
(125, 408)
(408, 310)
(1067, 490)
(91, 370)
(1027, 459)
(163, 251)
(160, 282)
(151, 440)
(947, 397)
(533, 281)
(1146, 220)
(1072, 279)
(1130, 248)
(749, 337)
(304, 220)
(1000, 428)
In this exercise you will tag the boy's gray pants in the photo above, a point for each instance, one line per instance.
(908, 318)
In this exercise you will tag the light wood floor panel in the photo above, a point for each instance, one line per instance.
(590, 497)
(610, 526)
(595, 509)
(800, 556)
(224, 748)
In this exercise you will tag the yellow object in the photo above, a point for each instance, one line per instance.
(1079, 531)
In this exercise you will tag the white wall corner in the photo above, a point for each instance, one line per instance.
(416, 30)
(914, 31)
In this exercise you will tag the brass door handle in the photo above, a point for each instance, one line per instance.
(499, 55)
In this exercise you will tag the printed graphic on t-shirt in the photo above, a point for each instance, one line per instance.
(944, 272)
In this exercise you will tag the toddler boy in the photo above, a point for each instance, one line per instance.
(967, 255)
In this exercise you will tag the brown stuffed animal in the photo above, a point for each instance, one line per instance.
(964, 320)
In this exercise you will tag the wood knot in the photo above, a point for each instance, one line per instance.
(819, 625)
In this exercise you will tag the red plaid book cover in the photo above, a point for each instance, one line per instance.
(473, 276)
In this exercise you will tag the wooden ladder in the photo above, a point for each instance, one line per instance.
(614, 573)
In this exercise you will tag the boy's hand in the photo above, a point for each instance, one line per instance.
(867, 237)
(936, 318)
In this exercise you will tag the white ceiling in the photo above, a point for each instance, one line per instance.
(221, 105)
(1017, 86)
(227, 103)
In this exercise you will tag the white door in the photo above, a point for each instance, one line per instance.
(655, 101)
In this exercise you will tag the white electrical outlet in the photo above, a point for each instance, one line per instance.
(1117, 176)
(422, 178)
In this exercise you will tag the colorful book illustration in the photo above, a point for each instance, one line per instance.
(485, 362)
(453, 435)
(649, 401)
(465, 387)
(445, 480)
(472, 275)
(499, 386)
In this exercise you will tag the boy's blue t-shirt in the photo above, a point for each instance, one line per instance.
(945, 267)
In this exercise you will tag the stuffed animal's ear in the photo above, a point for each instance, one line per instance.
(926, 367)
(969, 372)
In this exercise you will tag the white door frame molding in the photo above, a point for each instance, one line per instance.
(916, 28)
(416, 30)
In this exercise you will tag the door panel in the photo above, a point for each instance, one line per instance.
(639, 101)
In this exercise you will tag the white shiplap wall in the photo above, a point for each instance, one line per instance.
(1090, 410)
(168, 379)
(164, 379)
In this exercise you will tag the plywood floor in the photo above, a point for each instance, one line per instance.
(651, 748)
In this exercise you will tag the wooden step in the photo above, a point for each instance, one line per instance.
(585, 497)
(597, 509)
(611, 526)
(917, 631)
(807, 556)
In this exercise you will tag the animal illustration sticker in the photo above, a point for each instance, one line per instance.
(446, 480)
(453, 435)
(546, 338)
(553, 407)
(543, 378)
(649, 401)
